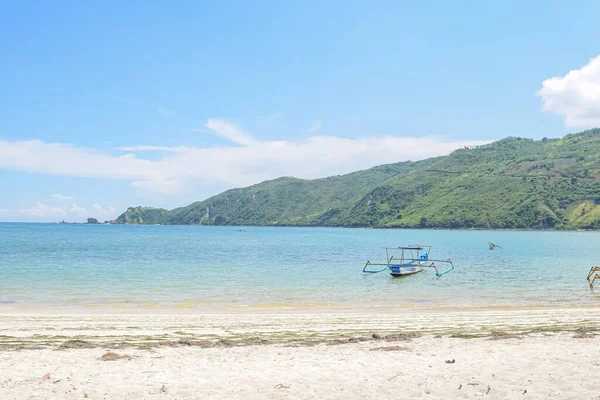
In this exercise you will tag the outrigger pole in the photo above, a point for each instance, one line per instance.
(415, 261)
(592, 270)
(432, 265)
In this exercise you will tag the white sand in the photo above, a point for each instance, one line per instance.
(549, 363)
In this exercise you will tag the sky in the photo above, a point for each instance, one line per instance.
(116, 104)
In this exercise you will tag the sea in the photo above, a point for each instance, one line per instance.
(206, 268)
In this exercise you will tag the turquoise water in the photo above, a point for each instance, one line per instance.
(52, 265)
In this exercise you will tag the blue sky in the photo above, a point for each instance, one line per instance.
(163, 103)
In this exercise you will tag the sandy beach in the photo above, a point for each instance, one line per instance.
(511, 353)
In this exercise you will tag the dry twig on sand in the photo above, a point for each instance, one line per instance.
(114, 357)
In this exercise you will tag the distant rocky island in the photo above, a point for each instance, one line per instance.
(89, 221)
(513, 183)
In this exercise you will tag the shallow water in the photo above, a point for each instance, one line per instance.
(53, 265)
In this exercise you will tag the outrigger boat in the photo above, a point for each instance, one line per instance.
(404, 261)
(593, 270)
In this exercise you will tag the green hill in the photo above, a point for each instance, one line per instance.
(143, 215)
(511, 183)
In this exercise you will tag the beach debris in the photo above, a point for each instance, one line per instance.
(450, 361)
(356, 339)
(395, 376)
(528, 375)
(50, 376)
(402, 336)
(376, 336)
(488, 389)
(460, 386)
(461, 335)
(110, 356)
(495, 335)
(282, 386)
(163, 389)
(20, 380)
(76, 344)
(585, 333)
(389, 348)
(85, 396)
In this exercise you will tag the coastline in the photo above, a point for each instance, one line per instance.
(540, 353)
(279, 309)
(361, 227)
(33, 330)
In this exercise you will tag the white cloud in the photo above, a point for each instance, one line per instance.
(229, 131)
(316, 125)
(78, 210)
(246, 162)
(43, 211)
(69, 160)
(575, 96)
(73, 212)
(61, 197)
(104, 212)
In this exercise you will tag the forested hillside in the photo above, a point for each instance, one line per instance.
(511, 183)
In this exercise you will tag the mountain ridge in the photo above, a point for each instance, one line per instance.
(512, 183)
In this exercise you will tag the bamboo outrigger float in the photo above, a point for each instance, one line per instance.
(410, 260)
(592, 271)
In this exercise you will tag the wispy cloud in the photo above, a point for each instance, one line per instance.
(125, 100)
(171, 114)
(73, 212)
(229, 131)
(105, 212)
(42, 211)
(61, 197)
(316, 125)
(246, 161)
(76, 209)
(144, 147)
(575, 96)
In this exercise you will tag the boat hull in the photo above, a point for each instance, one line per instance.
(399, 271)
